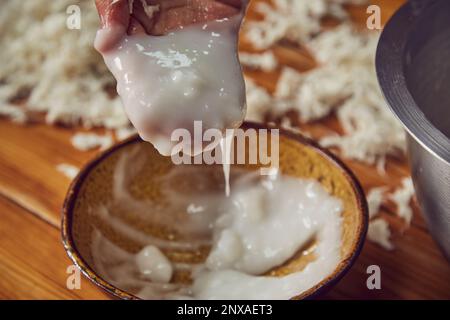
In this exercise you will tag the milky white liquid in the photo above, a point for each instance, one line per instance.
(168, 82)
(264, 222)
(226, 144)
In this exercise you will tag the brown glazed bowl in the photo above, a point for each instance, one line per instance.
(299, 157)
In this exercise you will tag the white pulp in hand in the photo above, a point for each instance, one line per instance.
(168, 82)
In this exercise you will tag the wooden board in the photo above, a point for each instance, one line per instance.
(32, 260)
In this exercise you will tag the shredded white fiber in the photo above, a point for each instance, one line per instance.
(259, 101)
(13, 113)
(265, 61)
(374, 200)
(378, 228)
(313, 94)
(344, 81)
(402, 198)
(124, 133)
(371, 130)
(89, 141)
(68, 170)
(295, 20)
(380, 233)
(287, 125)
(57, 67)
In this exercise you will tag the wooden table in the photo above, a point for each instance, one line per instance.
(33, 263)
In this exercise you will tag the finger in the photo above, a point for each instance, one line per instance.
(115, 18)
(113, 12)
(178, 13)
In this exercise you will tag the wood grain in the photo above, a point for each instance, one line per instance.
(32, 260)
(28, 159)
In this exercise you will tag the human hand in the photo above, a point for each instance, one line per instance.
(157, 17)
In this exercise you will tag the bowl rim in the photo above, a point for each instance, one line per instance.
(389, 63)
(343, 267)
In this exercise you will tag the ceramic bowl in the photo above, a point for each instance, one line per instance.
(299, 157)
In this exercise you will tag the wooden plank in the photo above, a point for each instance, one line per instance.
(28, 159)
(33, 262)
(414, 270)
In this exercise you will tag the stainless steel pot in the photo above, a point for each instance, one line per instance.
(413, 67)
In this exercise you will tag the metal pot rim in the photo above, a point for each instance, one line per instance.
(391, 77)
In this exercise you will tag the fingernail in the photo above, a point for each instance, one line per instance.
(107, 37)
